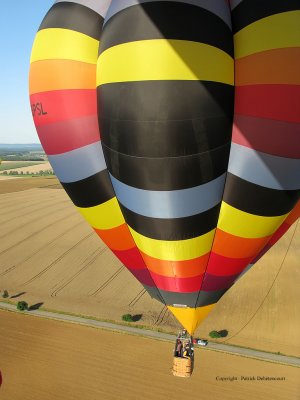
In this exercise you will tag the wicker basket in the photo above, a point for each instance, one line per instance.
(182, 367)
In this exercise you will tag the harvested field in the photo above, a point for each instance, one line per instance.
(43, 359)
(262, 309)
(7, 165)
(25, 166)
(51, 255)
(11, 184)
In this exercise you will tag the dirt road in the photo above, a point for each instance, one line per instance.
(227, 348)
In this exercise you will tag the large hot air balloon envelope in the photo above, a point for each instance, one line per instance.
(174, 128)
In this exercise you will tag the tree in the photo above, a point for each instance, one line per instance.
(127, 318)
(22, 306)
(5, 294)
(214, 334)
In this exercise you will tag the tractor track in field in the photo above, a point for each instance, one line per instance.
(43, 271)
(107, 282)
(17, 207)
(86, 265)
(32, 220)
(35, 233)
(137, 298)
(13, 267)
(161, 316)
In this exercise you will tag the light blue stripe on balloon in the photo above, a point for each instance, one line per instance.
(100, 6)
(78, 164)
(235, 3)
(217, 7)
(264, 169)
(170, 204)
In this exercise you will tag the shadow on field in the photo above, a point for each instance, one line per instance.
(223, 332)
(35, 306)
(137, 317)
(17, 295)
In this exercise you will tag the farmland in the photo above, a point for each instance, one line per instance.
(8, 165)
(70, 362)
(13, 184)
(25, 167)
(49, 255)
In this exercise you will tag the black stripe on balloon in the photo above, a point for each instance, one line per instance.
(249, 11)
(193, 299)
(91, 191)
(167, 20)
(154, 293)
(169, 173)
(74, 17)
(175, 228)
(258, 200)
(206, 298)
(165, 118)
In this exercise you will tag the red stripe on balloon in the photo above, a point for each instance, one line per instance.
(143, 276)
(133, 261)
(279, 138)
(131, 258)
(223, 266)
(174, 284)
(213, 282)
(262, 253)
(62, 105)
(63, 136)
(280, 102)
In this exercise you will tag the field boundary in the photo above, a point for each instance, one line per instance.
(151, 334)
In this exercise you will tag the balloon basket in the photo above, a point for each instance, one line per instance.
(183, 360)
(182, 367)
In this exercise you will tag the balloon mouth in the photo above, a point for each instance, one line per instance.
(190, 318)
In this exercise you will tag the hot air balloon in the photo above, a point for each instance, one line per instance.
(174, 128)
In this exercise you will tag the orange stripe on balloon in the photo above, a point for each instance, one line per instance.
(118, 238)
(179, 269)
(272, 66)
(232, 246)
(69, 74)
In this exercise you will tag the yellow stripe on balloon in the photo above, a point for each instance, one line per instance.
(104, 216)
(56, 43)
(276, 31)
(163, 59)
(240, 223)
(175, 250)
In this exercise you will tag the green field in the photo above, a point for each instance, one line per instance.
(18, 164)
